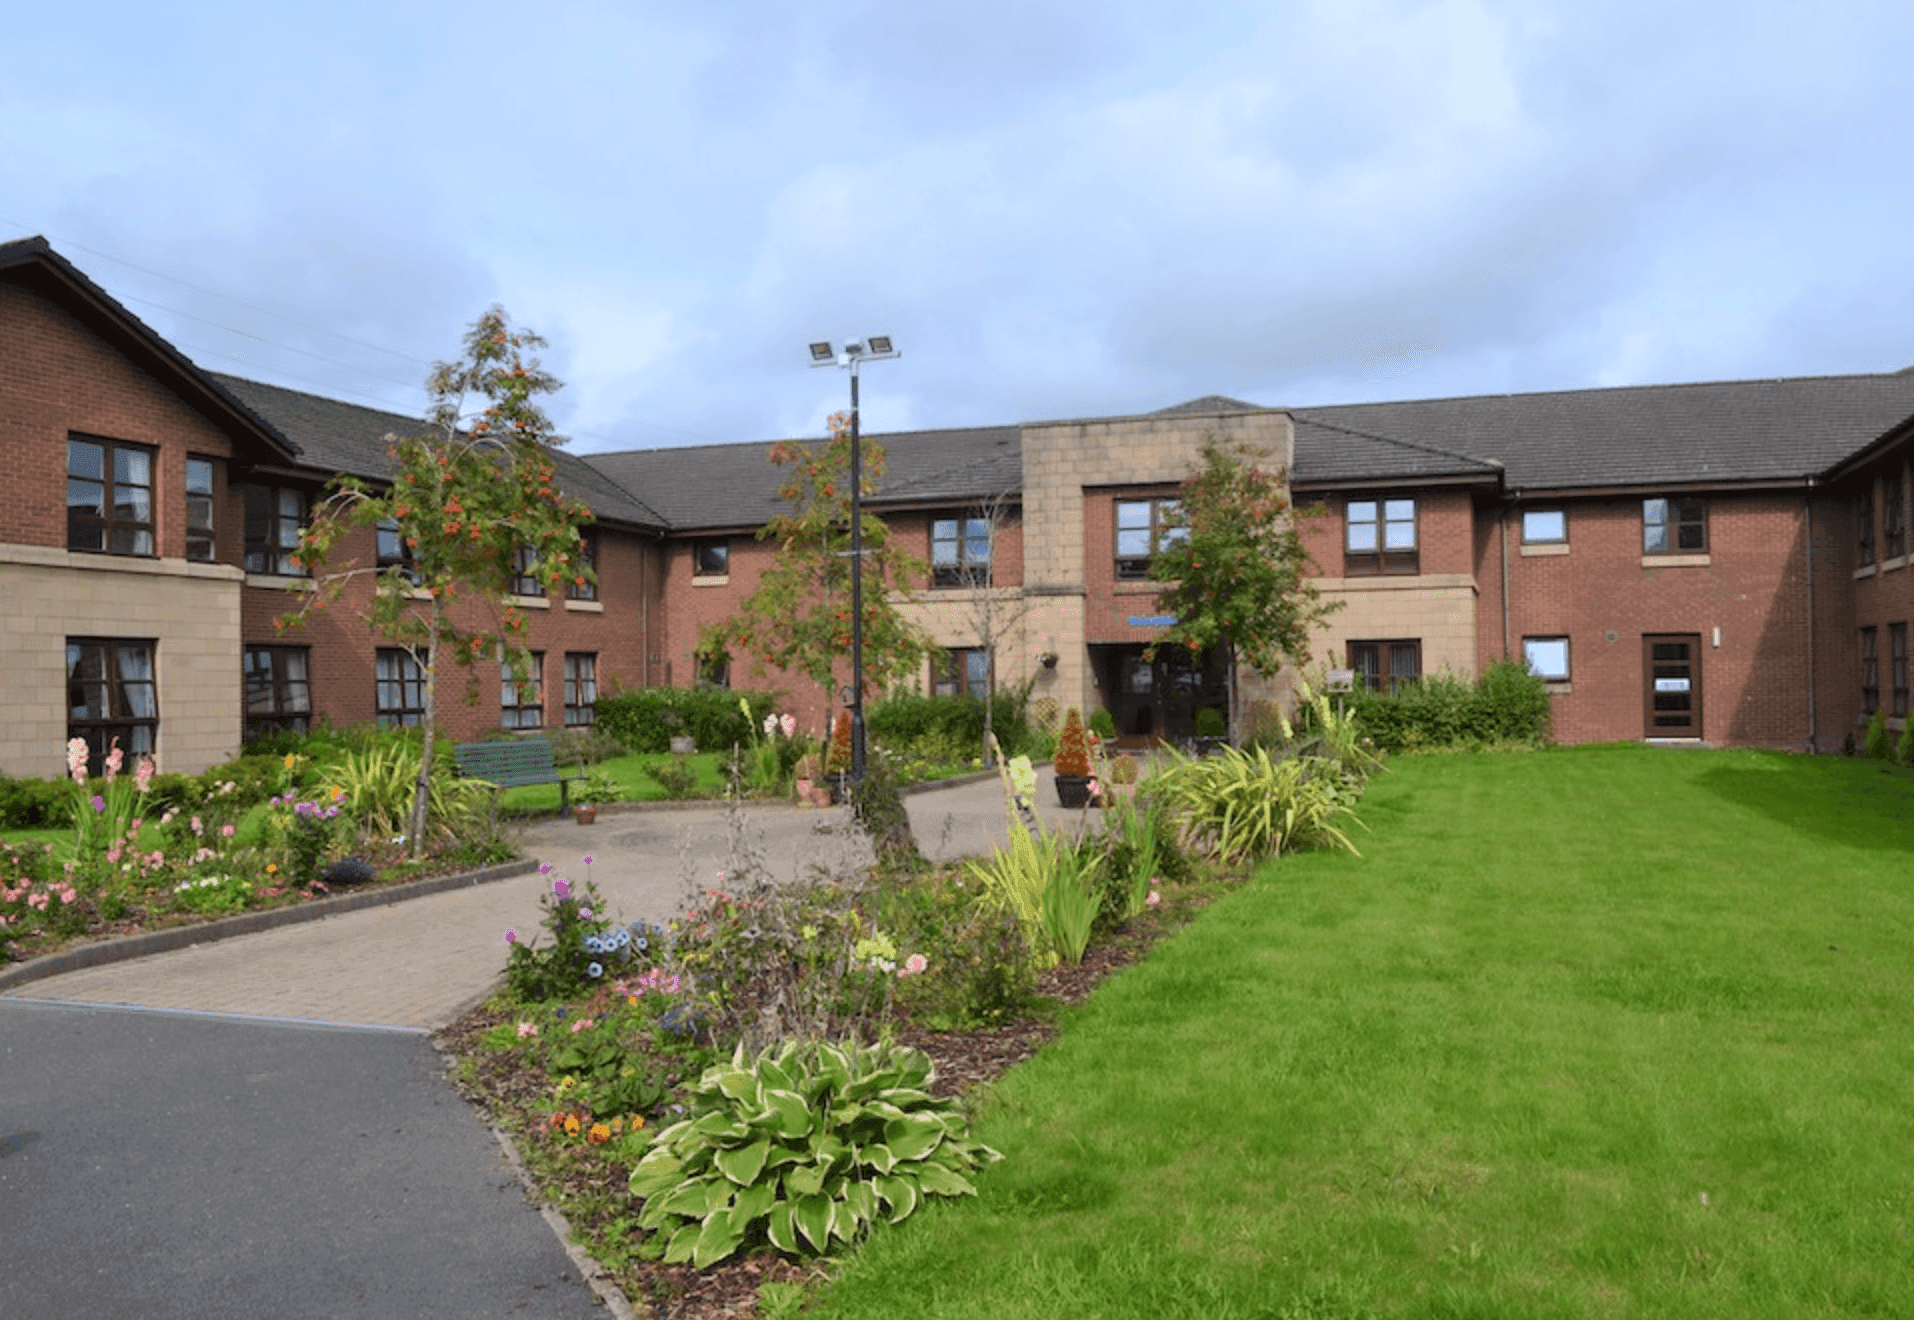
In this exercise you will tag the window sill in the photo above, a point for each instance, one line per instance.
(530, 602)
(1676, 561)
(1865, 571)
(1888, 565)
(1557, 687)
(1546, 548)
(586, 606)
(1133, 588)
(278, 582)
(715, 580)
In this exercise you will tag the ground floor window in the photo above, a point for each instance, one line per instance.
(1547, 657)
(581, 689)
(112, 696)
(961, 669)
(278, 690)
(1870, 671)
(401, 688)
(522, 703)
(1897, 655)
(1386, 665)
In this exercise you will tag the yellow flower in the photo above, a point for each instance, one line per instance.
(599, 1134)
(291, 760)
(571, 1125)
(272, 867)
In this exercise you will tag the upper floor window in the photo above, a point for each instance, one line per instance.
(1144, 527)
(201, 474)
(1864, 527)
(960, 552)
(711, 557)
(274, 517)
(393, 549)
(1379, 536)
(525, 574)
(585, 587)
(1894, 516)
(1544, 526)
(1674, 527)
(109, 497)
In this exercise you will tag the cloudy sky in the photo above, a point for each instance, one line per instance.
(1058, 208)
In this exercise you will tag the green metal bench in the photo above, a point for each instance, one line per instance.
(514, 764)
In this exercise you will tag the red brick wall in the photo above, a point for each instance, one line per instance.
(1878, 599)
(58, 377)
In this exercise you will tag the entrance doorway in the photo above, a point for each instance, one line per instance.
(1157, 700)
(1671, 669)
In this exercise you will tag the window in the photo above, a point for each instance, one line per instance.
(582, 587)
(274, 516)
(1143, 527)
(200, 498)
(1547, 657)
(581, 689)
(278, 690)
(1870, 672)
(1544, 526)
(1864, 528)
(1897, 657)
(401, 688)
(711, 557)
(109, 497)
(111, 695)
(961, 669)
(1379, 537)
(1674, 527)
(960, 552)
(714, 670)
(525, 575)
(393, 550)
(1386, 666)
(1894, 517)
(522, 704)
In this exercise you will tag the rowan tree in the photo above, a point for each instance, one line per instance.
(1236, 568)
(799, 618)
(473, 504)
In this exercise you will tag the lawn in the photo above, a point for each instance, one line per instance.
(1587, 1033)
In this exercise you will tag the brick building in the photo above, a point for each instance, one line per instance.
(1726, 562)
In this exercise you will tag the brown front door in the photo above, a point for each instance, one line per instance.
(1671, 666)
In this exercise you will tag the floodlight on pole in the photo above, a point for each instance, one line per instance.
(875, 348)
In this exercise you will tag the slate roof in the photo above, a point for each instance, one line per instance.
(735, 486)
(1724, 432)
(348, 437)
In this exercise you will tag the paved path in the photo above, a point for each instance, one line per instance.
(416, 965)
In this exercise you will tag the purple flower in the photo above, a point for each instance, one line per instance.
(588, 859)
(585, 912)
(560, 889)
(511, 936)
(544, 868)
(99, 803)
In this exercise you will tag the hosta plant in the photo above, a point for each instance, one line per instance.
(802, 1148)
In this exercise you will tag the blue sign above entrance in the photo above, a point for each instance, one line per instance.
(1152, 620)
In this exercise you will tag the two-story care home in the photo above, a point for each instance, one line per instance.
(1722, 562)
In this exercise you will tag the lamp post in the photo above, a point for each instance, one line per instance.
(875, 348)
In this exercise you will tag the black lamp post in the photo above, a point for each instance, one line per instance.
(875, 348)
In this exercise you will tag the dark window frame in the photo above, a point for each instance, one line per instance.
(392, 549)
(1897, 667)
(272, 532)
(1378, 661)
(1894, 516)
(1864, 527)
(524, 580)
(587, 558)
(1161, 527)
(957, 670)
(581, 689)
(522, 704)
(114, 704)
(1687, 515)
(1870, 671)
(202, 509)
(399, 687)
(711, 557)
(277, 699)
(1384, 519)
(963, 566)
(116, 529)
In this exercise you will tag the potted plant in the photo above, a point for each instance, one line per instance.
(588, 792)
(837, 761)
(1072, 762)
(806, 773)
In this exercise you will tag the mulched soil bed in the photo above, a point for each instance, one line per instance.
(966, 1062)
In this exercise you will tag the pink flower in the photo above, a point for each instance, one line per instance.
(789, 724)
(511, 936)
(226, 831)
(143, 774)
(560, 889)
(913, 966)
(580, 1025)
(1153, 899)
(197, 826)
(588, 859)
(115, 758)
(76, 759)
(526, 1029)
(585, 912)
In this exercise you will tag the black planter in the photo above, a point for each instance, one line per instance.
(1074, 791)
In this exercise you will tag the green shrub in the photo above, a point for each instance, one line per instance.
(676, 776)
(645, 720)
(380, 784)
(1210, 723)
(1103, 724)
(950, 728)
(802, 1148)
(979, 973)
(1246, 805)
(879, 808)
(35, 804)
(1876, 744)
(1904, 749)
(1505, 704)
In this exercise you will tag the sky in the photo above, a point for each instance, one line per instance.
(1056, 208)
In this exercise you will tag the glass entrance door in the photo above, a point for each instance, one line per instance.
(1671, 666)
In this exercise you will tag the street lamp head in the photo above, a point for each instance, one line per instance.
(822, 354)
(874, 347)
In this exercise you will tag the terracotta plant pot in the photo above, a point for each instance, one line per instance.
(585, 813)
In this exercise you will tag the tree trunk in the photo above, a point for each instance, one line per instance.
(422, 792)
